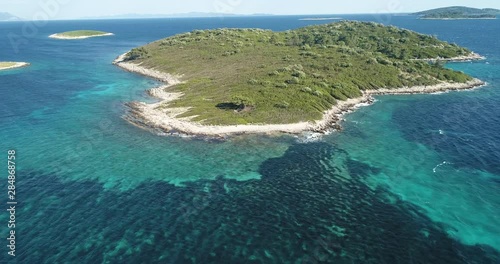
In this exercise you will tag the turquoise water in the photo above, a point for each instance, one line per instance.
(410, 179)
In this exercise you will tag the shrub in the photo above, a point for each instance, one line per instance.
(294, 80)
(281, 85)
(242, 101)
(274, 73)
(318, 93)
(238, 44)
(324, 84)
(383, 61)
(137, 53)
(285, 69)
(299, 74)
(305, 47)
(252, 82)
(411, 70)
(283, 105)
(306, 90)
(265, 83)
(317, 75)
(345, 64)
(309, 54)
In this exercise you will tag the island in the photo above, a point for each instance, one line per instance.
(80, 34)
(235, 81)
(5, 65)
(459, 12)
(4, 16)
(320, 18)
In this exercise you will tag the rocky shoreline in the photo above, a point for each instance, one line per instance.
(157, 118)
(438, 88)
(471, 57)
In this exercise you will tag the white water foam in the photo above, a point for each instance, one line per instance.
(439, 165)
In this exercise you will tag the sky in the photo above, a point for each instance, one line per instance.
(74, 9)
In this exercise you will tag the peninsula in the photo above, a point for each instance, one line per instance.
(80, 34)
(5, 65)
(459, 12)
(229, 81)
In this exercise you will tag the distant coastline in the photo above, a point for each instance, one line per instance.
(458, 18)
(12, 65)
(152, 116)
(458, 13)
(320, 18)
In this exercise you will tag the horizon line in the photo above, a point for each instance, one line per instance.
(214, 15)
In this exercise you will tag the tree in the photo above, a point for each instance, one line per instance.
(242, 101)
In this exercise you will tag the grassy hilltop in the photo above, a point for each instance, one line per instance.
(242, 76)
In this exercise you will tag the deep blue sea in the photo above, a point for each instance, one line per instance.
(410, 179)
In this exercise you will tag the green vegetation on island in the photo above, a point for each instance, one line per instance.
(7, 64)
(243, 76)
(80, 34)
(459, 12)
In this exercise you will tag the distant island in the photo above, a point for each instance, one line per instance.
(320, 18)
(80, 34)
(459, 12)
(5, 65)
(4, 16)
(230, 81)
